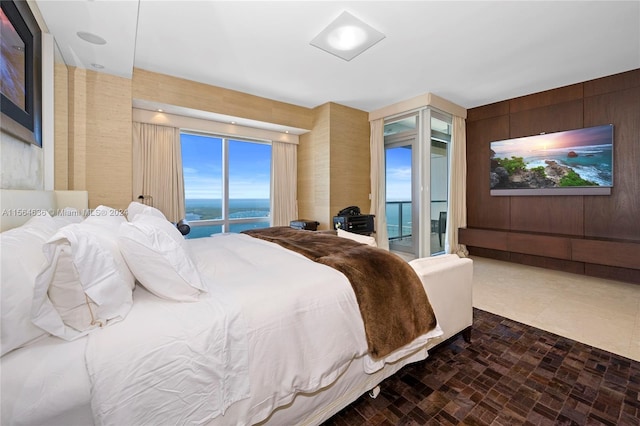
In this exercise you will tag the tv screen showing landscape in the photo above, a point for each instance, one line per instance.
(574, 162)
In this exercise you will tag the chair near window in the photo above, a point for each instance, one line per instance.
(442, 226)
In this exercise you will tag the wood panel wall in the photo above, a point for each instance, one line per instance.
(594, 235)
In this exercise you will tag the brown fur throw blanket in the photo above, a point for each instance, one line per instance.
(394, 306)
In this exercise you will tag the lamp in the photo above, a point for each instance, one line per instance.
(347, 37)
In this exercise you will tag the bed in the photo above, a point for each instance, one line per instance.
(261, 334)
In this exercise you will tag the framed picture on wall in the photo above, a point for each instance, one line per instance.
(21, 72)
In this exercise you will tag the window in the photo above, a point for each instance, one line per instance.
(227, 183)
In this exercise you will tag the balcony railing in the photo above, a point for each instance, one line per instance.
(398, 219)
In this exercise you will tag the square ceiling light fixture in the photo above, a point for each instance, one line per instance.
(347, 37)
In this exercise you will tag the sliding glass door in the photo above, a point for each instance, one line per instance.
(400, 138)
(417, 181)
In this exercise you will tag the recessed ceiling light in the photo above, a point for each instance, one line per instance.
(160, 110)
(347, 37)
(97, 66)
(91, 38)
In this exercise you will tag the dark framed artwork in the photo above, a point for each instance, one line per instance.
(21, 72)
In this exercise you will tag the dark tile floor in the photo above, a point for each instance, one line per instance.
(510, 374)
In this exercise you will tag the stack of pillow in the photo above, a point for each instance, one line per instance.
(67, 276)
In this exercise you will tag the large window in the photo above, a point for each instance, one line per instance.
(227, 183)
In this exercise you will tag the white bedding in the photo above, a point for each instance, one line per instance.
(212, 355)
(303, 323)
(298, 321)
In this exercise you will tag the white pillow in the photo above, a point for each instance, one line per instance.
(22, 259)
(364, 239)
(67, 216)
(135, 208)
(159, 258)
(86, 283)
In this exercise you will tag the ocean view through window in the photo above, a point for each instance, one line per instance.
(227, 183)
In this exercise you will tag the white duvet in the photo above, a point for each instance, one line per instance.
(273, 324)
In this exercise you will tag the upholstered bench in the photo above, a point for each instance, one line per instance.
(447, 280)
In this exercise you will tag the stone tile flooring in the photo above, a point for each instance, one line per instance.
(510, 374)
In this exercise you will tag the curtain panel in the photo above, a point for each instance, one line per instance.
(157, 168)
(457, 216)
(284, 184)
(378, 186)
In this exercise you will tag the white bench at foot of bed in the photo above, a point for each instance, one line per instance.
(447, 280)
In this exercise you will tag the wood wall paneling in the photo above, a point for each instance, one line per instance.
(548, 263)
(485, 238)
(539, 245)
(574, 92)
(488, 111)
(539, 227)
(484, 210)
(611, 253)
(553, 118)
(617, 216)
(613, 83)
(612, 273)
(550, 214)
(490, 253)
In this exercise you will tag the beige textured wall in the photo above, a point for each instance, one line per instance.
(100, 137)
(334, 164)
(333, 159)
(314, 169)
(350, 159)
(61, 126)
(170, 90)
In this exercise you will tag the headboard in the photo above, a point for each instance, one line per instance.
(19, 205)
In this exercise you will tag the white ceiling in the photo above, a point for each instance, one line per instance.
(471, 53)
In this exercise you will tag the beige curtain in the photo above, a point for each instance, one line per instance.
(378, 188)
(457, 216)
(284, 191)
(157, 168)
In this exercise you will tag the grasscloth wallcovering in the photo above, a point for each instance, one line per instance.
(333, 164)
(99, 143)
(594, 235)
(98, 138)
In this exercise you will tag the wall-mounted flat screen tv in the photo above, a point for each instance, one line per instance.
(574, 162)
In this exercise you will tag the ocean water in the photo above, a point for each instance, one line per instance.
(206, 209)
(203, 209)
(395, 212)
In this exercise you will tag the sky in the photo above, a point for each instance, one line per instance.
(398, 171)
(249, 168)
